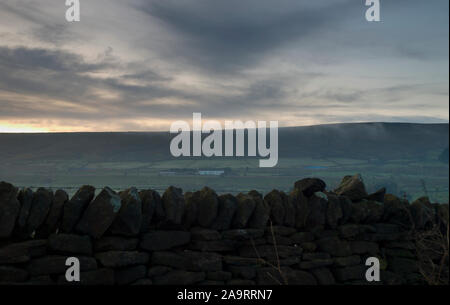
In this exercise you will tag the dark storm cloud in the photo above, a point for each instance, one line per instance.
(54, 60)
(45, 29)
(227, 35)
(62, 75)
(287, 58)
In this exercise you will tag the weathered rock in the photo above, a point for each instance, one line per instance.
(334, 246)
(205, 234)
(143, 282)
(55, 264)
(269, 251)
(109, 243)
(218, 275)
(246, 206)
(287, 276)
(391, 278)
(334, 211)
(422, 213)
(103, 277)
(190, 210)
(302, 237)
(70, 244)
(164, 240)
(25, 198)
(323, 276)
(315, 256)
(240, 282)
(150, 200)
(359, 212)
(290, 218)
(442, 215)
(278, 240)
(9, 208)
(399, 253)
(74, 208)
(352, 187)
(308, 246)
(173, 204)
(227, 208)
(377, 196)
(347, 261)
(223, 245)
(309, 186)
(54, 217)
(414, 278)
(240, 261)
(407, 245)
(356, 272)
(387, 228)
(243, 234)
(261, 213)
(346, 209)
(318, 263)
(363, 247)
(159, 217)
(270, 276)
(383, 237)
(396, 210)
(128, 220)
(275, 201)
(208, 207)
(320, 233)
(179, 277)
(100, 214)
(280, 230)
(400, 265)
(22, 252)
(211, 283)
(9, 274)
(158, 270)
(376, 212)
(366, 211)
(125, 276)
(300, 203)
(41, 280)
(284, 262)
(317, 210)
(251, 242)
(122, 258)
(350, 231)
(243, 272)
(40, 207)
(188, 260)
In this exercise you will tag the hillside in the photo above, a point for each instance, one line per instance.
(383, 141)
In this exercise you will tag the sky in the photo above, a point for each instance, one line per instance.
(140, 65)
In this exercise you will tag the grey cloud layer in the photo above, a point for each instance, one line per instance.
(233, 59)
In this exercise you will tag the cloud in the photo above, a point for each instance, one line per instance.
(141, 64)
(232, 35)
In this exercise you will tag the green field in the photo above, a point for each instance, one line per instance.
(409, 178)
(410, 160)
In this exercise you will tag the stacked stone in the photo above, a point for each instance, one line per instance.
(310, 236)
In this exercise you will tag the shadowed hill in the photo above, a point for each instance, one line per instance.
(357, 140)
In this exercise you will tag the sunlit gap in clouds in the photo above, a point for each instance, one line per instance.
(19, 128)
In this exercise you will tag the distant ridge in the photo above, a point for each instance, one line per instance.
(355, 140)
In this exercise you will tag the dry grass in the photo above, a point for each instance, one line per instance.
(432, 251)
(276, 267)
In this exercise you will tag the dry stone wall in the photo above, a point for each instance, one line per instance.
(310, 236)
